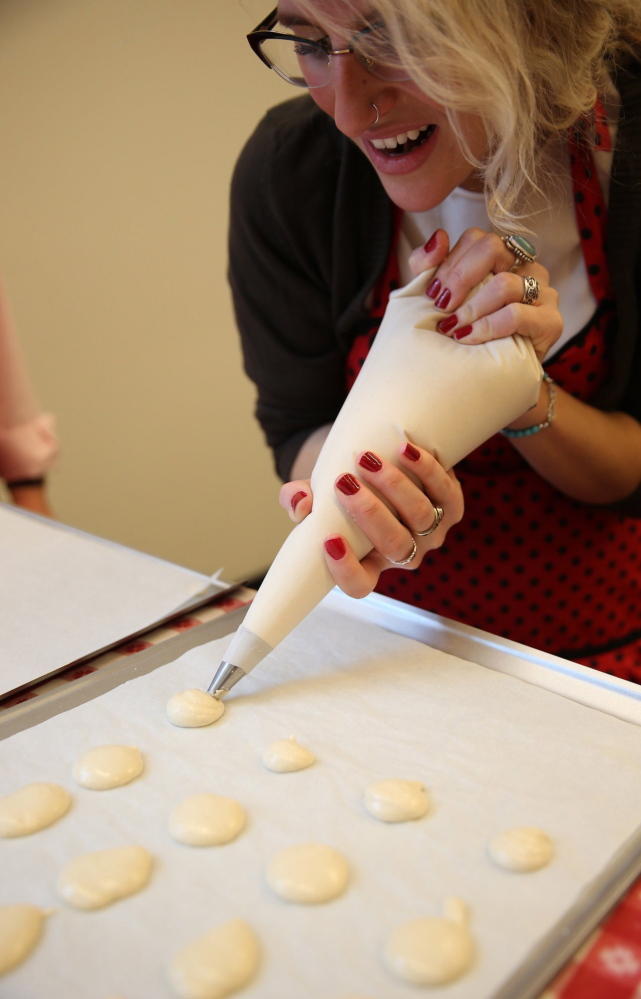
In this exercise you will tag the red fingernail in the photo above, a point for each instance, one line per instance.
(445, 325)
(370, 462)
(434, 288)
(443, 299)
(297, 497)
(431, 243)
(348, 485)
(412, 452)
(335, 547)
(464, 331)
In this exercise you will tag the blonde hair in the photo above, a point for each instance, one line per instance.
(528, 68)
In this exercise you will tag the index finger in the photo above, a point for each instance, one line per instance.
(474, 256)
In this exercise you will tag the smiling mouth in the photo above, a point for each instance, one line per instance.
(404, 142)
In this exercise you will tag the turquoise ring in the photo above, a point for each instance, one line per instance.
(522, 249)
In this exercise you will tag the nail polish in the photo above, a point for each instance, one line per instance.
(297, 497)
(335, 547)
(443, 299)
(431, 243)
(370, 462)
(447, 324)
(464, 331)
(348, 485)
(411, 452)
(433, 289)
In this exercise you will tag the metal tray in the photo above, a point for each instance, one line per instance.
(586, 686)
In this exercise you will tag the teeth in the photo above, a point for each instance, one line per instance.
(400, 139)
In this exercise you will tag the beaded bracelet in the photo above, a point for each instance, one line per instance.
(528, 431)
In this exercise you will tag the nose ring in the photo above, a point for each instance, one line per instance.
(375, 122)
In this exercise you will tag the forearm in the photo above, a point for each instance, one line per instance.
(590, 455)
(32, 497)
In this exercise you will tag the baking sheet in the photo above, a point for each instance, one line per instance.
(65, 595)
(494, 752)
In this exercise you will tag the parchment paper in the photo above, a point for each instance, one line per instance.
(494, 752)
(65, 595)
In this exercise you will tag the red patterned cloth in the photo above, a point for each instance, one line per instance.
(527, 562)
(609, 966)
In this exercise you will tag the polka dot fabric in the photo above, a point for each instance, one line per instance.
(528, 563)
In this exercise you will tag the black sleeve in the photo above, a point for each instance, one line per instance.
(280, 258)
(622, 389)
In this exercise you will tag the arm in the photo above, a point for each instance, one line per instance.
(591, 455)
(279, 258)
(28, 443)
(31, 496)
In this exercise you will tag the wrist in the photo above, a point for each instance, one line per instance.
(540, 417)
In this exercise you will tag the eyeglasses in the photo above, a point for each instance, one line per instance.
(307, 62)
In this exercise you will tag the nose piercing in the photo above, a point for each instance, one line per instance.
(375, 122)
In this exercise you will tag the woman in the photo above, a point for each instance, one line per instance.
(454, 129)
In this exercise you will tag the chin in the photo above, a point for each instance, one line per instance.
(413, 196)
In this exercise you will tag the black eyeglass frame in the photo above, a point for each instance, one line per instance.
(263, 33)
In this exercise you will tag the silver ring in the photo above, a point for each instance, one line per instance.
(438, 517)
(406, 561)
(522, 249)
(531, 290)
(375, 122)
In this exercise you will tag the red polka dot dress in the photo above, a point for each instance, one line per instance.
(526, 562)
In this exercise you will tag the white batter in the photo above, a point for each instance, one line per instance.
(218, 963)
(431, 951)
(207, 820)
(31, 808)
(397, 800)
(194, 708)
(287, 755)
(94, 880)
(308, 872)
(20, 931)
(524, 849)
(105, 767)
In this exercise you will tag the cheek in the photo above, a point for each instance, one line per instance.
(475, 135)
(324, 98)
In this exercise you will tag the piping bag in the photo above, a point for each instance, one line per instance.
(416, 385)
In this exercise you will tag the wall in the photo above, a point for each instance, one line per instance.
(121, 121)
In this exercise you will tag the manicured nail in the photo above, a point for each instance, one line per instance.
(335, 547)
(370, 462)
(443, 299)
(434, 288)
(412, 452)
(464, 331)
(348, 484)
(445, 325)
(431, 243)
(297, 497)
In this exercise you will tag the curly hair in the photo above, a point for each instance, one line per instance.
(528, 68)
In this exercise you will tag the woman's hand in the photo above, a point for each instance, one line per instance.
(497, 309)
(391, 533)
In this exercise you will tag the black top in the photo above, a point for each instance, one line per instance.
(310, 233)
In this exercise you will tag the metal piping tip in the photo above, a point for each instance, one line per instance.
(226, 676)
